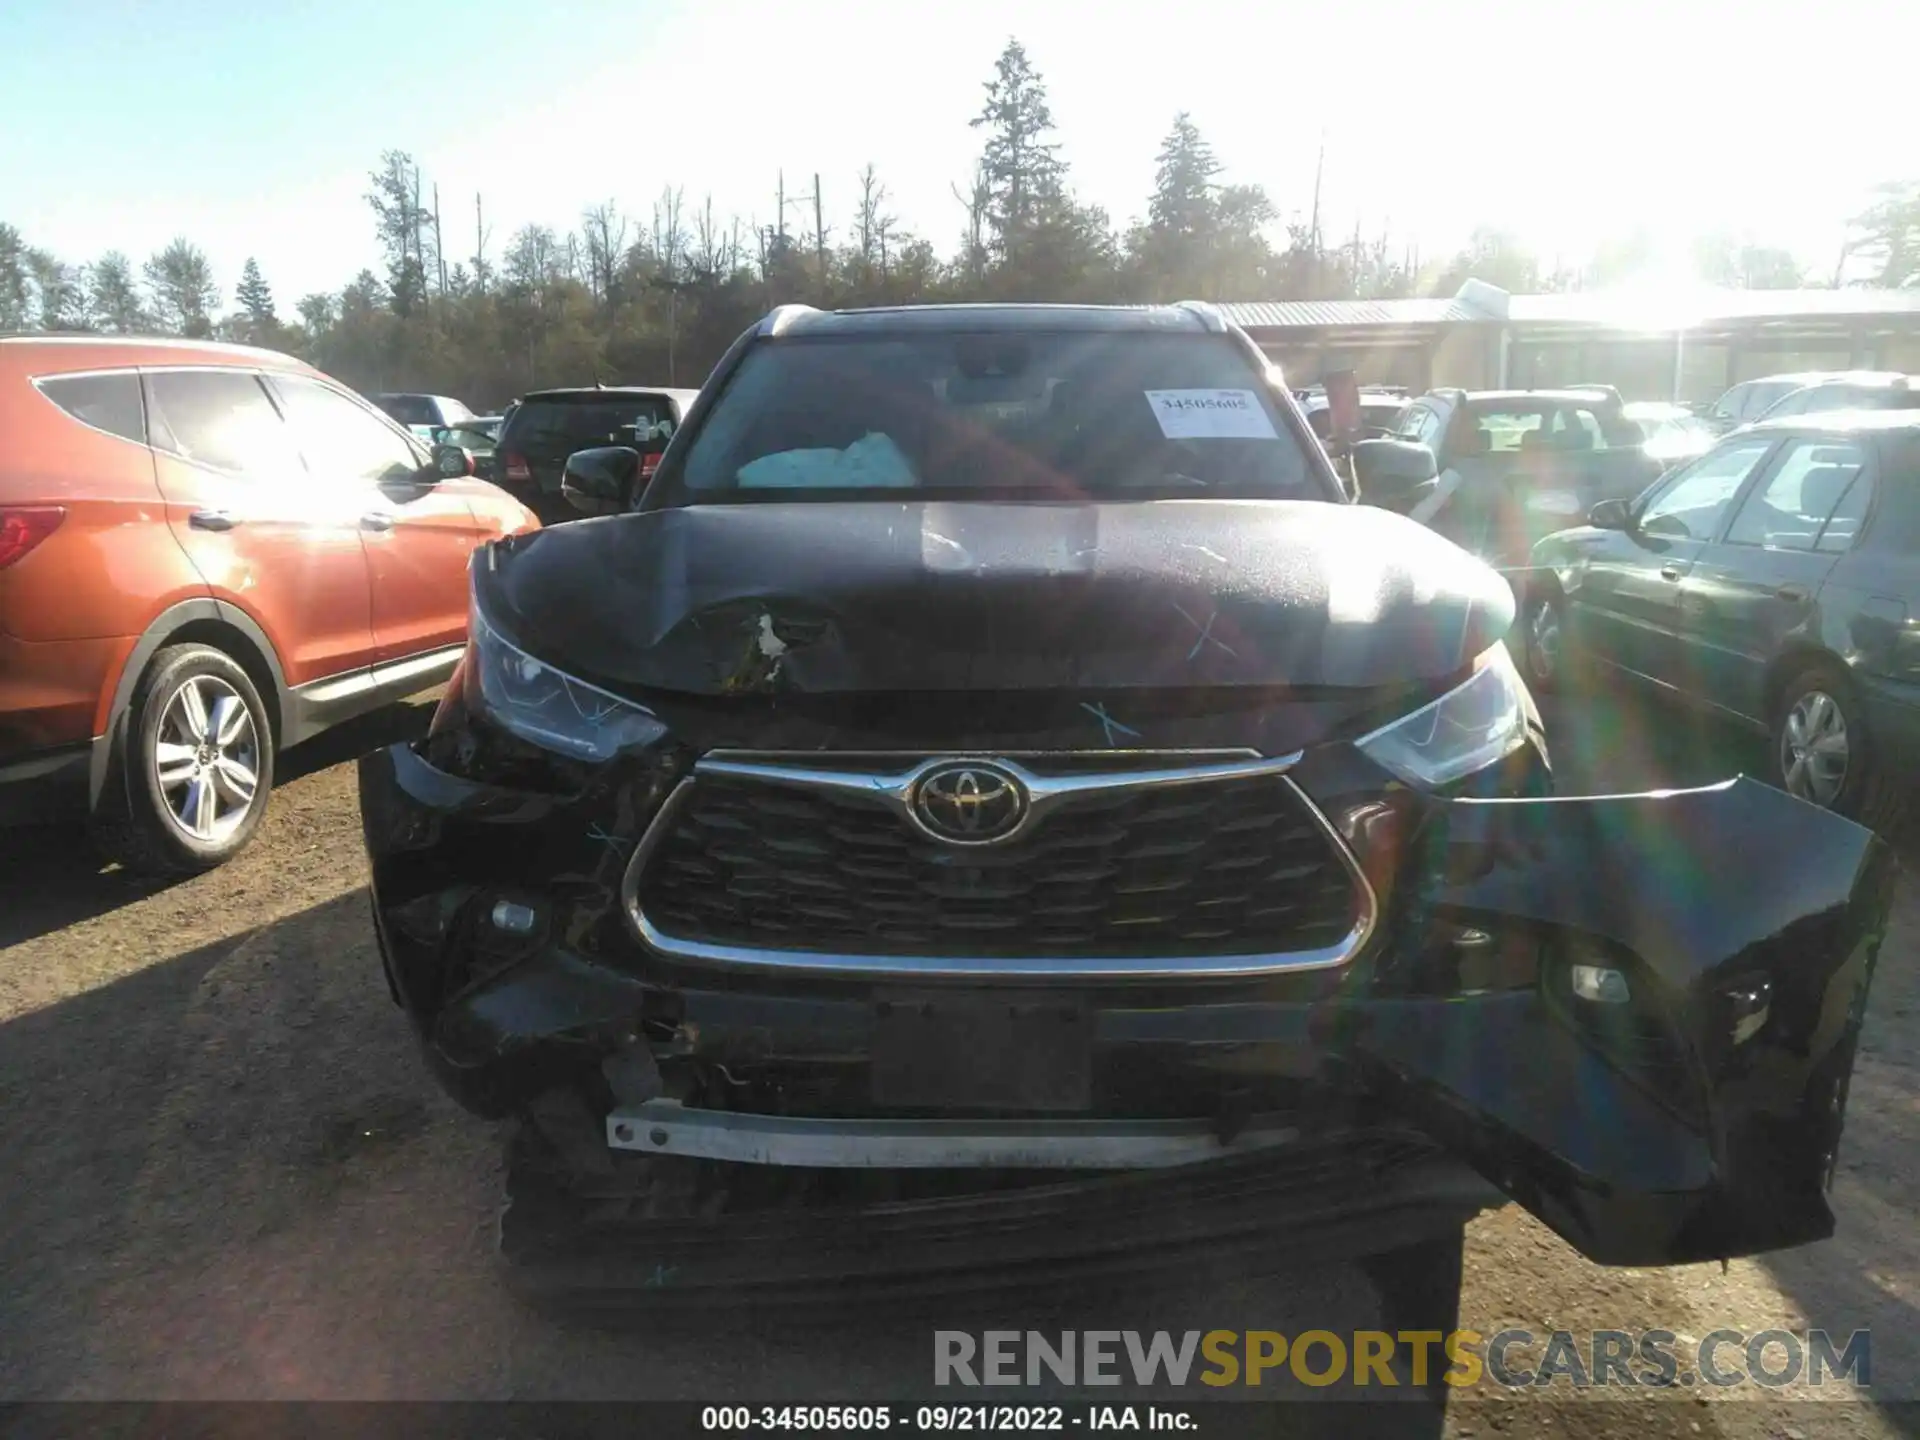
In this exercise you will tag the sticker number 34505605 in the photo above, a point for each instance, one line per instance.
(1210, 415)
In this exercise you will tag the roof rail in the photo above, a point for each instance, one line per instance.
(781, 316)
(1208, 314)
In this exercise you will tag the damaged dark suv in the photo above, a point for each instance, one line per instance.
(996, 804)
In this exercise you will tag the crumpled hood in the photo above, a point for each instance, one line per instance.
(827, 598)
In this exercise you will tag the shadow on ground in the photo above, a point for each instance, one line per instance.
(54, 878)
(233, 1178)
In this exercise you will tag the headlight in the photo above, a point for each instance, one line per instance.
(530, 699)
(1465, 730)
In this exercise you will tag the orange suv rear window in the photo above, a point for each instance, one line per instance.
(109, 402)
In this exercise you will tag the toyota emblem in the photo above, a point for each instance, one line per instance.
(969, 802)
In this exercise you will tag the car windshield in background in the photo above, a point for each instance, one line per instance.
(410, 409)
(475, 435)
(1056, 415)
(552, 429)
(1670, 430)
(1377, 417)
(1860, 397)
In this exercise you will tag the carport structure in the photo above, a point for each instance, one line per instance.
(1683, 345)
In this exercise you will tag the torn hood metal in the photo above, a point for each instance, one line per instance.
(825, 598)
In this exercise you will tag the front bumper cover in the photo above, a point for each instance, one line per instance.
(1706, 1128)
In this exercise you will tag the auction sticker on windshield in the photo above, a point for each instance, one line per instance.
(1210, 415)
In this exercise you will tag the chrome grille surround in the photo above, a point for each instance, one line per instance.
(1054, 781)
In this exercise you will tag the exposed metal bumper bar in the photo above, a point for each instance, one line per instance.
(666, 1127)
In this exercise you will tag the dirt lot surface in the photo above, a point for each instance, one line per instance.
(224, 1173)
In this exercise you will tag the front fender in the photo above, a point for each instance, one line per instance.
(1683, 1100)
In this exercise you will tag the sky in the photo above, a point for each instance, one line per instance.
(251, 127)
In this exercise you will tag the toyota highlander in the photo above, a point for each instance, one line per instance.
(992, 801)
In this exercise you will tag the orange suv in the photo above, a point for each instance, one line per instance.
(208, 552)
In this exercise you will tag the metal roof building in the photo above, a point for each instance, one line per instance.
(1665, 344)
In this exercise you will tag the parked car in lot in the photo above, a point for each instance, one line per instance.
(1380, 412)
(1777, 580)
(546, 426)
(1866, 391)
(481, 433)
(1515, 465)
(207, 553)
(993, 747)
(423, 414)
(1751, 399)
(1673, 432)
(479, 437)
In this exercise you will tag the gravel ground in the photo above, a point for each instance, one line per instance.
(227, 1175)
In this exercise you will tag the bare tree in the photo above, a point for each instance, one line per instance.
(532, 259)
(439, 250)
(978, 203)
(871, 223)
(606, 232)
(482, 270)
(670, 244)
(819, 234)
(712, 258)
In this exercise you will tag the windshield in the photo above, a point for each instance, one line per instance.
(1096, 415)
(410, 409)
(1670, 435)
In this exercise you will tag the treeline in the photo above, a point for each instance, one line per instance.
(657, 297)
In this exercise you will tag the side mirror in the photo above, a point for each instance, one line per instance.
(1393, 474)
(1611, 515)
(600, 481)
(450, 462)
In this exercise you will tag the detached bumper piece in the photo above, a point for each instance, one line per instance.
(1711, 952)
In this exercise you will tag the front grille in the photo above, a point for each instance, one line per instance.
(1228, 866)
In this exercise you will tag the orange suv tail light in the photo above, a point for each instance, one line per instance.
(22, 529)
(649, 464)
(516, 467)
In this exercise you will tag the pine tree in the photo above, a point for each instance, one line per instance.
(61, 291)
(1183, 189)
(116, 298)
(181, 283)
(15, 297)
(253, 296)
(1020, 165)
(1175, 247)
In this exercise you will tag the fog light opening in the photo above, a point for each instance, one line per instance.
(1600, 985)
(1751, 1007)
(512, 918)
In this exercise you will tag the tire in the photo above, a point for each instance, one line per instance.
(1544, 629)
(202, 814)
(1817, 716)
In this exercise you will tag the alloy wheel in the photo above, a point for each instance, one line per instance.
(1813, 748)
(206, 758)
